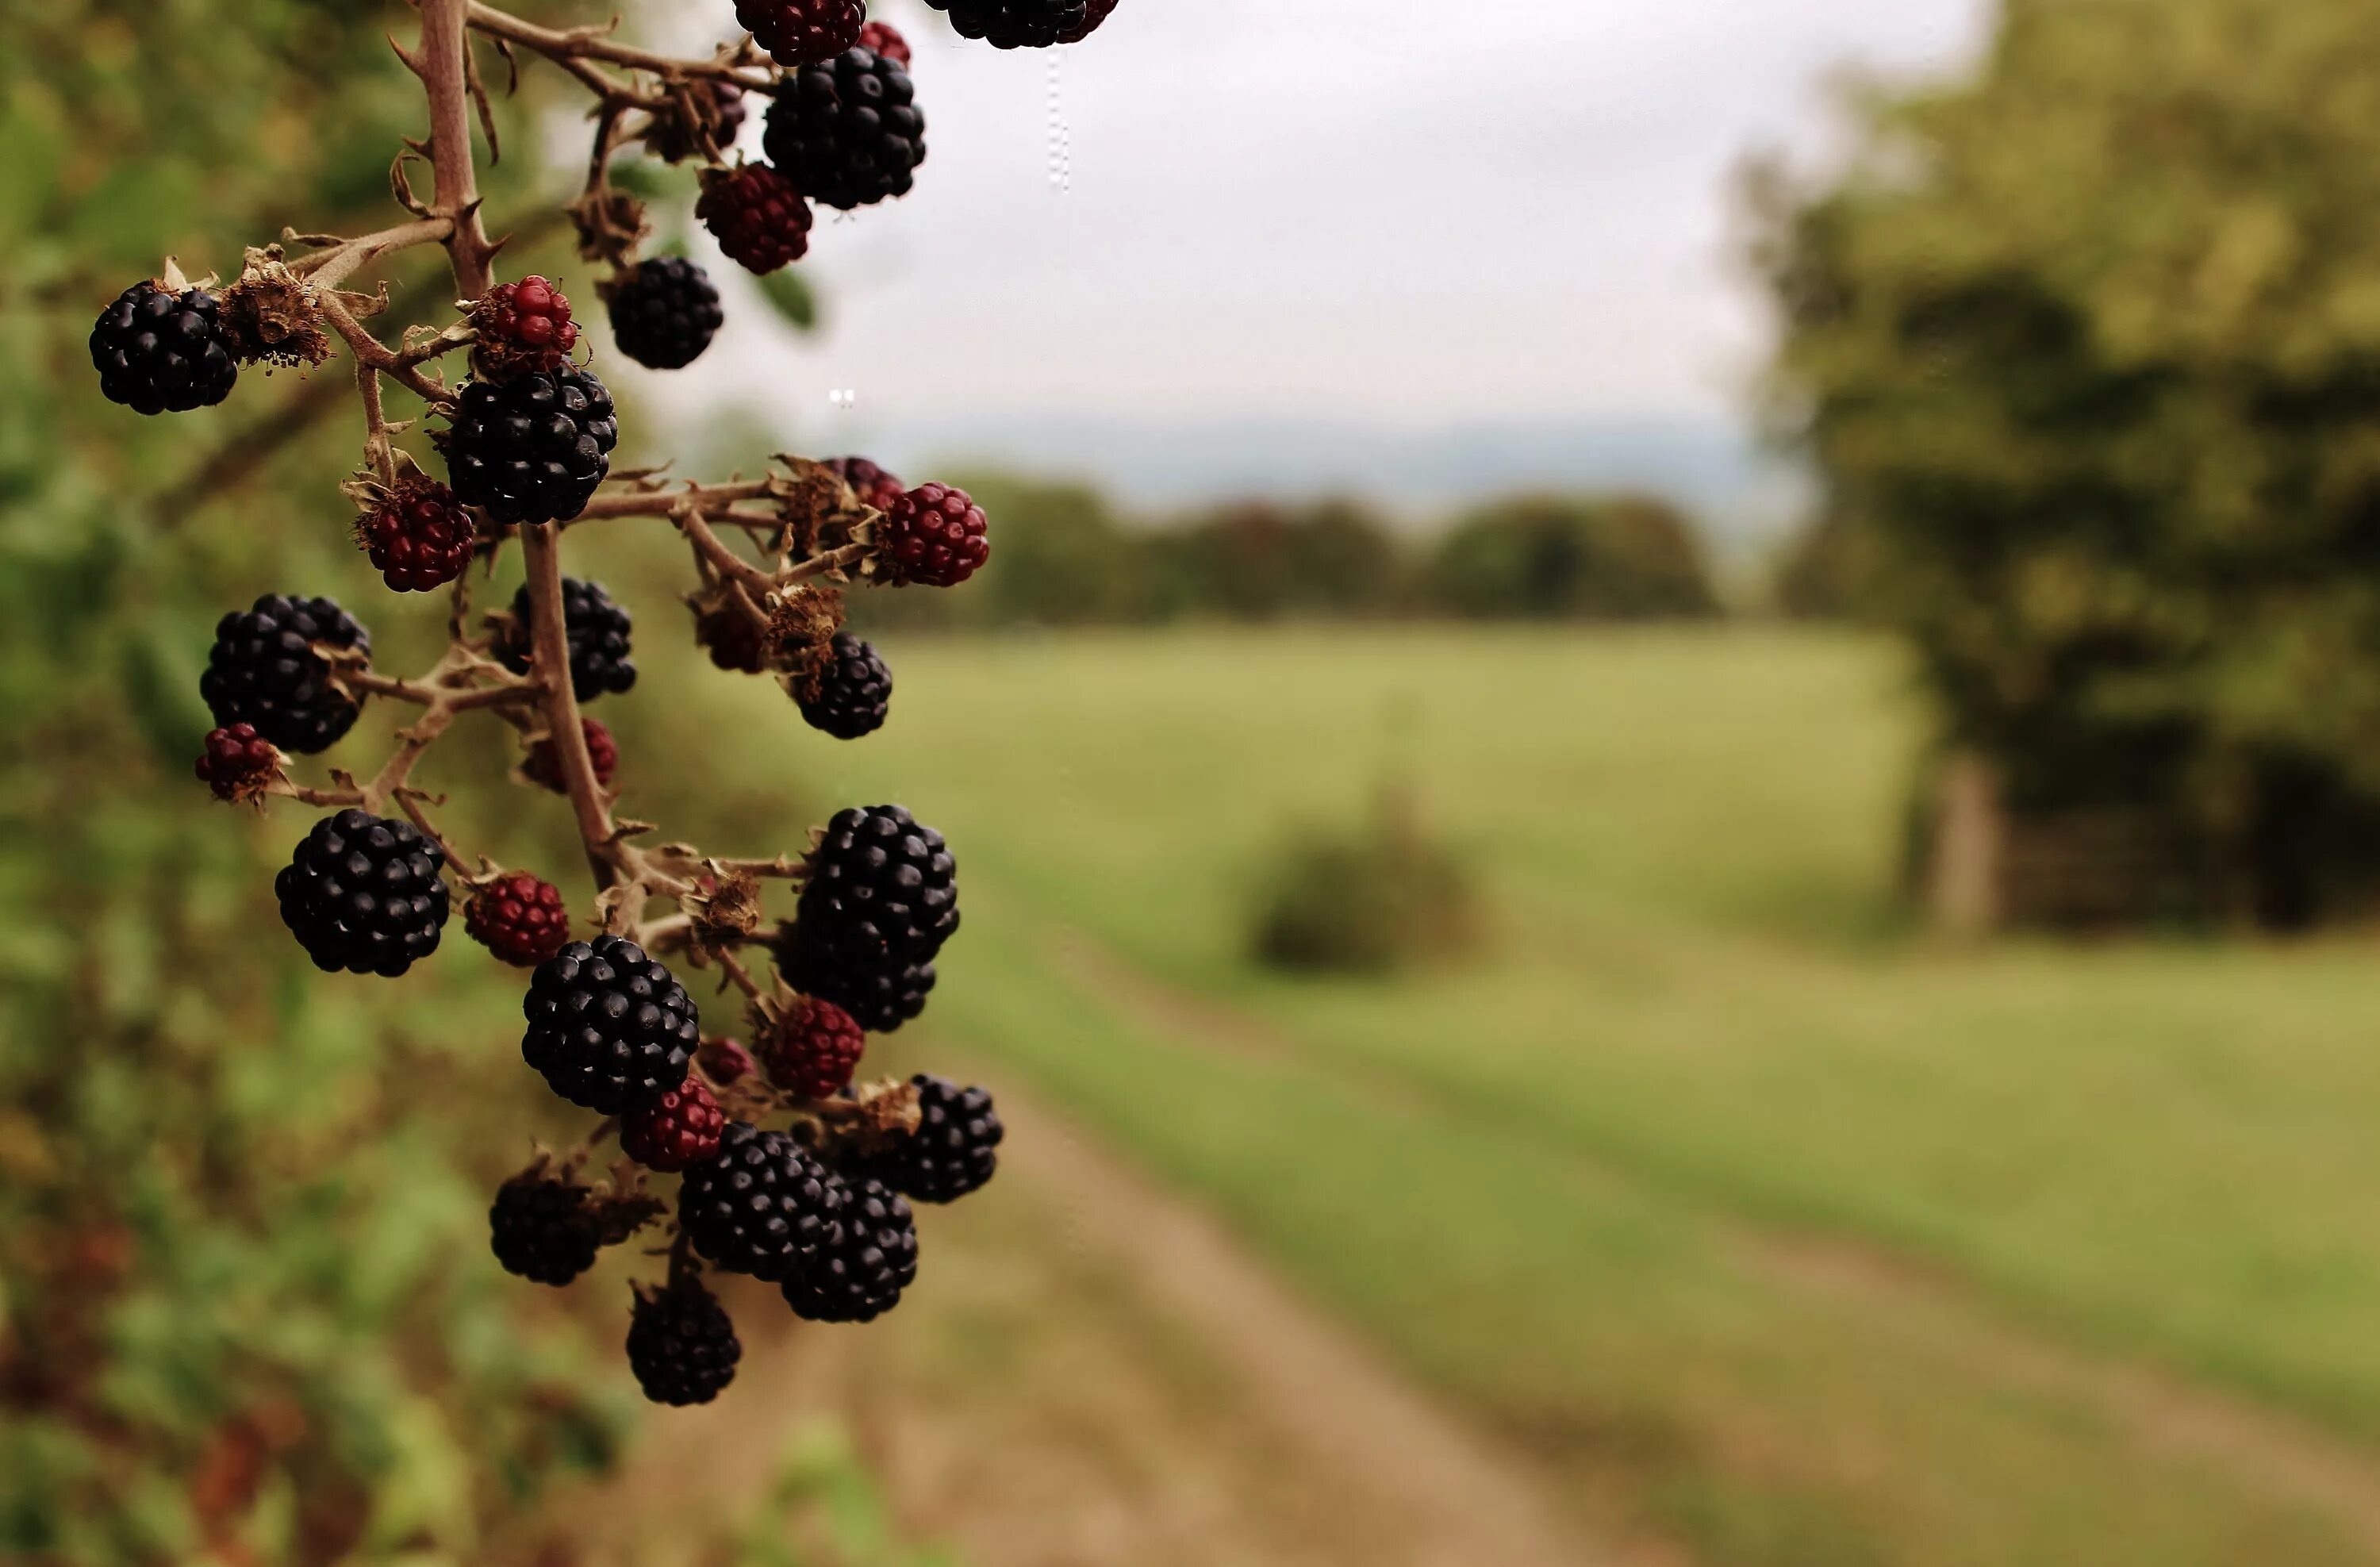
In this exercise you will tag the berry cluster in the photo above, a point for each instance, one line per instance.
(786, 1166)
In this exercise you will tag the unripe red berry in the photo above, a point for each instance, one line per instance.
(543, 767)
(726, 1060)
(420, 539)
(519, 917)
(760, 220)
(874, 486)
(886, 41)
(676, 1132)
(524, 326)
(813, 1050)
(933, 535)
(237, 762)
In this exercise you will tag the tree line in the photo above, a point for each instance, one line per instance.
(1066, 556)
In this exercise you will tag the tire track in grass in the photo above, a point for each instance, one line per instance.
(2157, 1410)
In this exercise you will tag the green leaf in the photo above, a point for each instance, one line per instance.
(789, 292)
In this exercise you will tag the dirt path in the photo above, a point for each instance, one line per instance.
(2285, 1457)
(1462, 1498)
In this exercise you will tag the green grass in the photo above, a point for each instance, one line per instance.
(1555, 1181)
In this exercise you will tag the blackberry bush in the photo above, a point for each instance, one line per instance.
(801, 1177)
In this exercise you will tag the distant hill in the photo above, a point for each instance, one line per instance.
(1743, 497)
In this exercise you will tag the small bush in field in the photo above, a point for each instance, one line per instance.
(1378, 897)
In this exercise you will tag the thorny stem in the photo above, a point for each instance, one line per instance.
(574, 47)
(445, 76)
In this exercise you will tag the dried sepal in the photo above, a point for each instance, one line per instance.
(725, 911)
(612, 226)
(273, 315)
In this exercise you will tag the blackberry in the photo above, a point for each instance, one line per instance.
(1018, 24)
(419, 537)
(364, 895)
(542, 766)
(764, 1207)
(870, 483)
(852, 696)
(882, 891)
(596, 628)
(237, 761)
(540, 1230)
(797, 33)
(533, 449)
(608, 1027)
(933, 535)
(519, 917)
(726, 1060)
(954, 1149)
(157, 351)
(1097, 12)
(524, 326)
(670, 140)
(847, 132)
(859, 1275)
(758, 218)
(682, 1346)
(736, 641)
(664, 313)
(677, 1131)
(886, 40)
(879, 996)
(812, 1050)
(263, 671)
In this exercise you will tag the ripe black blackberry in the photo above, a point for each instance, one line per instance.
(609, 1028)
(954, 1149)
(682, 1345)
(263, 671)
(664, 313)
(542, 1230)
(798, 32)
(531, 449)
(1018, 24)
(847, 132)
(880, 995)
(161, 352)
(882, 891)
(364, 895)
(597, 631)
(859, 1275)
(765, 1206)
(852, 695)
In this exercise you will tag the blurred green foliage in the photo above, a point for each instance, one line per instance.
(2087, 351)
(1065, 556)
(249, 1314)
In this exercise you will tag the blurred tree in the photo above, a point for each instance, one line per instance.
(1561, 558)
(2087, 351)
(1255, 560)
(246, 1313)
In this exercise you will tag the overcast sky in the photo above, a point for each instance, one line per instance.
(1398, 210)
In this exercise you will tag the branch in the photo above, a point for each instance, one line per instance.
(573, 48)
(446, 74)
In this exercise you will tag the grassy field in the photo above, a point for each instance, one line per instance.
(1774, 1233)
